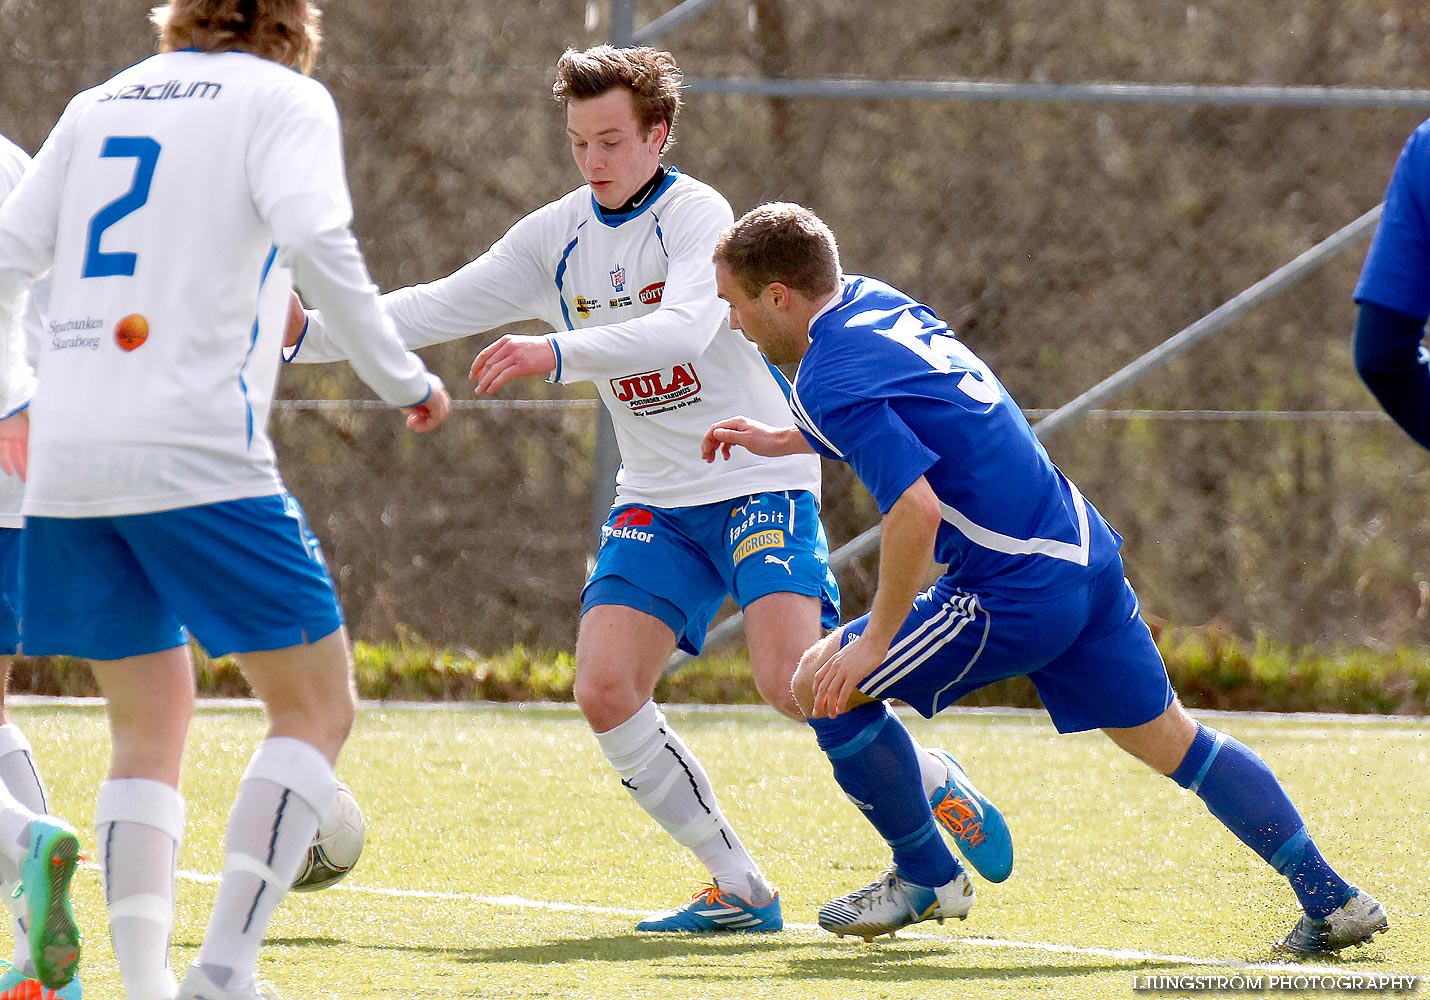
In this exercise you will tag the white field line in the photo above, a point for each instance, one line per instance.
(1012, 719)
(1120, 954)
(1328, 726)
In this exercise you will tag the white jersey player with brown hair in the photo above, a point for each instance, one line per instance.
(621, 270)
(170, 205)
(631, 298)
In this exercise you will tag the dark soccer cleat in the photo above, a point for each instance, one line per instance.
(1358, 919)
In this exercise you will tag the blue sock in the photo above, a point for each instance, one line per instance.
(876, 764)
(1241, 791)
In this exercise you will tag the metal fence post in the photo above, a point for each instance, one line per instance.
(608, 454)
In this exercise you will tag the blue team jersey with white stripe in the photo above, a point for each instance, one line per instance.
(886, 387)
(1396, 274)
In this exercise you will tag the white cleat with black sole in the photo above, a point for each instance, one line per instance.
(890, 902)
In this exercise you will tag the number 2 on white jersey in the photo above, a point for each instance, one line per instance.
(99, 263)
(943, 352)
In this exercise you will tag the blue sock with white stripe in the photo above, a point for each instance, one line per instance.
(877, 765)
(1241, 791)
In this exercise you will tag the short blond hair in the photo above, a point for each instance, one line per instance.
(284, 31)
(781, 242)
(651, 76)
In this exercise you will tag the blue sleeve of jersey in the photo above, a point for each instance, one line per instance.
(1389, 361)
(1397, 268)
(884, 453)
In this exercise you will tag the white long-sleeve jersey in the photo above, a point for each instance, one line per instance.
(632, 299)
(170, 204)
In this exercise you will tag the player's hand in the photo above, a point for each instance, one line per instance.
(15, 444)
(297, 322)
(838, 677)
(512, 357)
(753, 436)
(428, 416)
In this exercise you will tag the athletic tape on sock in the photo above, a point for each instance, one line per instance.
(631, 746)
(139, 800)
(12, 739)
(246, 863)
(155, 909)
(299, 766)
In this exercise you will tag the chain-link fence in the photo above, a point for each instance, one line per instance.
(1061, 239)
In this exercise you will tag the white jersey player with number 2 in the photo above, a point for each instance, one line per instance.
(170, 205)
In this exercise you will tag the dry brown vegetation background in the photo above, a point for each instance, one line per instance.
(1062, 240)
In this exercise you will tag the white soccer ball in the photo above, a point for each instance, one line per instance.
(336, 846)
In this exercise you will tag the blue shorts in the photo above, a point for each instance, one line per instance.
(1087, 651)
(240, 576)
(679, 564)
(9, 591)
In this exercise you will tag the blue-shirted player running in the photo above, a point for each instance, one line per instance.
(1034, 584)
(1394, 295)
(620, 267)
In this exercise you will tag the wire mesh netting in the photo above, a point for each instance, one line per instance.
(1061, 239)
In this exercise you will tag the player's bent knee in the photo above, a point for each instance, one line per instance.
(1162, 743)
(605, 700)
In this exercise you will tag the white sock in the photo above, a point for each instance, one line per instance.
(138, 827)
(666, 780)
(15, 819)
(17, 769)
(18, 774)
(287, 787)
(932, 769)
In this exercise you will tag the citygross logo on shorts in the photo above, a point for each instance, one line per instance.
(646, 391)
(772, 538)
(628, 524)
(763, 522)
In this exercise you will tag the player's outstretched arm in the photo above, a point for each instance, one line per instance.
(1387, 356)
(753, 436)
(512, 357)
(905, 557)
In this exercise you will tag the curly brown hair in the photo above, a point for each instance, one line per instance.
(651, 76)
(285, 31)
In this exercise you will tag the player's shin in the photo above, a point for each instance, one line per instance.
(877, 766)
(138, 827)
(289, 784)
(1240, 790)
(666, 780)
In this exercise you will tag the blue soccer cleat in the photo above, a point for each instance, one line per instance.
(15, 985)
(45, 881)
(975, 823)
(712, 910)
